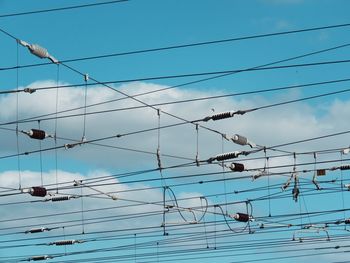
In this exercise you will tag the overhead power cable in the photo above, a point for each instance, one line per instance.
(61, 8)
(190, 45)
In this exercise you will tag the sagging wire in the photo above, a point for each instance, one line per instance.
(239, 217)
(310, 228)
(204, 224)
(175, 206)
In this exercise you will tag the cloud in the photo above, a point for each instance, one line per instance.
(266, 127)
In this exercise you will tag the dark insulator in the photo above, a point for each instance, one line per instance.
(223, 115)
(237, 167)
(37, 258)
(321, 172)
(64, 242)
(38, 191)
(347, 221)
(241, 217)
(60, 198)
(37, 134)
(36, 230)
(345, 167)
(225, 156)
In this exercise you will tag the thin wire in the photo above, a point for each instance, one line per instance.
(56, 124)
(83, 138)
(17, 118)
(197, 99)
(342, 186)
(135, 247)
(61, 8)
(189, 45)
(204, 225)
(41, 160)
(197, 145)
(82, 209)
(268, 182)
(223, 172)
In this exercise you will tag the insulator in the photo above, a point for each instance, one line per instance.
(237, 167)
(38, 51)
(38, 191)
(239, 139)
(37, 134)
(295, 193)
(65, 242)
(60, 198)
(346, 151)
(347, 221)
(37, 258)
(345, 167)
(36, 230)
(222, 115)
(29, 90)
(225, 156)
(241, 217)
(321, 172)
(86, 77)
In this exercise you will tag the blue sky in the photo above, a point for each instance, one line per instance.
(147, 24)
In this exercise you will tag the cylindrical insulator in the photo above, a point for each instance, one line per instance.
(36, 230)
(237, 167)
(239, 139)
(64, 242)
(241, 217)
(37, 258)
(225, 156)
(60, 198)
(38, 191)
(347, 221)
(222, 115)
(345, 167)
(37, 134)
(38, 51)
